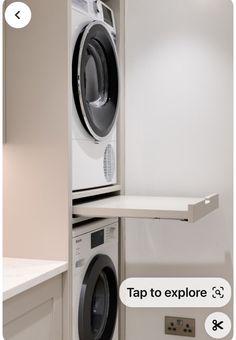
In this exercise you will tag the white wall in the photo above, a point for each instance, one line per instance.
(178, 142)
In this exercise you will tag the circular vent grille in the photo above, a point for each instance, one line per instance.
(109, 163)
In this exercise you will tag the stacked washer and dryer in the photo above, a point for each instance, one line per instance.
(95, 87)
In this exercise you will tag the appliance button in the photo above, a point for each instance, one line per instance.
(79, 263)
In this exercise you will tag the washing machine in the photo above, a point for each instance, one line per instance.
(95, 85)
(95, 283)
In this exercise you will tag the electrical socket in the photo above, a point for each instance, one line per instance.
(179, 326)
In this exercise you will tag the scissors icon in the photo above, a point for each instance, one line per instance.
(217, 325)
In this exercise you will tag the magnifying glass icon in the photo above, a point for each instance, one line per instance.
(218, 292)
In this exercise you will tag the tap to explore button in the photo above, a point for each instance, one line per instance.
(175, 292)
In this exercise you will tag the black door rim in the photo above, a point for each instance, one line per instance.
(99, 264)
(107, 112)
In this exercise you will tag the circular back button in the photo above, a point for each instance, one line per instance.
(18, 14)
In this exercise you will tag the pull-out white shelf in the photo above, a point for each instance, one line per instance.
(175, 208)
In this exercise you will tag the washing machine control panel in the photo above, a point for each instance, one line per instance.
(111, 232)
(97, 238)
(104, 235)
(84, 244)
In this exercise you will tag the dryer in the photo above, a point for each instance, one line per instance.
(95, 285)
(95, 86)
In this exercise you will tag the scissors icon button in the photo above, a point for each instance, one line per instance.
(218, 325)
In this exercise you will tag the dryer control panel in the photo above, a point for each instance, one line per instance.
(108, 16)
(97, 10)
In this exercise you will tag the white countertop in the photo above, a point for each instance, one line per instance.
(20, 275)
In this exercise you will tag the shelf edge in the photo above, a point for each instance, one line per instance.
(203, 208)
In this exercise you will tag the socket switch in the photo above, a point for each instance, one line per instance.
(179, 326)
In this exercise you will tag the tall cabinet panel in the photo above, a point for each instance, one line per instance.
(37, 141)
(36, 146)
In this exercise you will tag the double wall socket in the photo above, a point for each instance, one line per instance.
(179, 326)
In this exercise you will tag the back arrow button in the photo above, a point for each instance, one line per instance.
(17, 15)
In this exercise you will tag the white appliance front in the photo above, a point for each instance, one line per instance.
(95, 96)
(95, 287)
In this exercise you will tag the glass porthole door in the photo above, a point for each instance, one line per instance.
(95, 79)
(98, 300)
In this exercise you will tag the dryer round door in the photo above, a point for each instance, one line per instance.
(95, 79)
(98, 300)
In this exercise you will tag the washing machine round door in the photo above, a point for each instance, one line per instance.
(95, 79)
(98, 300)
